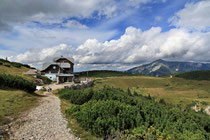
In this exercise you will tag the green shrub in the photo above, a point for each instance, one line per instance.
(162, 101)
(113, 94)
(15, 64)
(45, 79)
(7, 65)
(27, 66)
(195, 75)
(103, 117)
(109, 111)
(77, 96)
(204, 103)
(3, 60)
(16, 82)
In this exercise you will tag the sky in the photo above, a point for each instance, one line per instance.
(104, 34)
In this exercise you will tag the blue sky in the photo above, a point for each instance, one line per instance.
(105, 34)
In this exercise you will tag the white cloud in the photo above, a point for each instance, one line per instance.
(21, 11)
(6, 53)
(74, 24)
(37, 57)
(134, 47)
(195, 16)
(26, 37)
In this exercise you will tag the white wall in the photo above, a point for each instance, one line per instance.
(51, 76)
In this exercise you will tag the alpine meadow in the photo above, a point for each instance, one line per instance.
(104, 70)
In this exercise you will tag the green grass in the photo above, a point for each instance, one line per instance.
(13, 102)
(15, 71)
(14, 68)
(175, 90)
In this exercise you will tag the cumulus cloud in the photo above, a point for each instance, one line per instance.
(136, 46)
(195, 16)
(133, 47)
(39, 56)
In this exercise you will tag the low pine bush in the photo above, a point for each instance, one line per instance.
(15, 64)
(16, 82)
(78, 97)
(7, 65)
(103, 117)
(111, 111)
(45, 79)
(113, 94)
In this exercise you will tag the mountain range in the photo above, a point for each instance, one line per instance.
(161, 68)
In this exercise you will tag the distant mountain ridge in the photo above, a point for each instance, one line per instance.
(161, 68)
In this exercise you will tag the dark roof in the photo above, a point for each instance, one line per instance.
(46, 65)
(61, 65)
(68, 58)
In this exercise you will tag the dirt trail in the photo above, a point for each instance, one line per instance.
(44, 122)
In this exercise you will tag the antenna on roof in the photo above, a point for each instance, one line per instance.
(61, 55)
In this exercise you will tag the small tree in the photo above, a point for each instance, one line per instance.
(135, 93)
(162, 101)
(129, 92)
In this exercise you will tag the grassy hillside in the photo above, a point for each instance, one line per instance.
(175, 90)
(103, 73)
(195, 75)
(14, 68)
(14, 88)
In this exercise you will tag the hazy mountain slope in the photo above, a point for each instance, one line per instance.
(162, 68)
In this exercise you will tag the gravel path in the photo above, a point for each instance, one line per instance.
(44, 122)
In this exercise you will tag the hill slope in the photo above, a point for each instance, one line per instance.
(162, 68)
(102, 73)
(14, 68)
(195, 75)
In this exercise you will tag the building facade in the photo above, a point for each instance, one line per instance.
(60, 70)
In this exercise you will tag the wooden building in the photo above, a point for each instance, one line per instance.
(60, 70)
